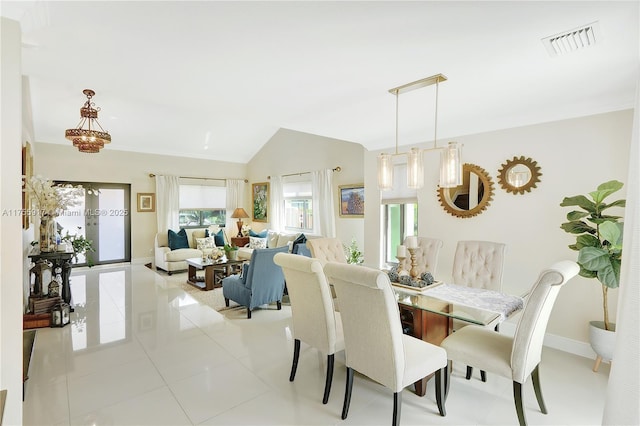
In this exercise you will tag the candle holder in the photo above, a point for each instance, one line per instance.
(414, 266)
(400, 263)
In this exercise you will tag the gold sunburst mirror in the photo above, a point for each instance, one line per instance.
(472, 197)
(519, 175)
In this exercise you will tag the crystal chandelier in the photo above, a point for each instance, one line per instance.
(450, 155)
(89, 139)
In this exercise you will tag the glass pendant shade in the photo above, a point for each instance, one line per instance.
(385, 172)
(415, 169)
(451, 166)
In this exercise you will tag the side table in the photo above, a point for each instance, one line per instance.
(240, 241)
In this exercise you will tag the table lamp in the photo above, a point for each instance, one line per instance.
(239, 214)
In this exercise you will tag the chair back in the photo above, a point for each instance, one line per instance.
(314, 319)
(327, 250)
(370, 322)
(529, 335)
(426, 255)
(479, 264)
(264, 277)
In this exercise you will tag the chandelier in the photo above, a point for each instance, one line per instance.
(88, 139)
(450, 155)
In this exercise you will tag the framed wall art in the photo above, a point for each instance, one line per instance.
(260, 193)
(351, 200)
(146, 202)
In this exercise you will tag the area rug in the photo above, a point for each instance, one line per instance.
(212, 298)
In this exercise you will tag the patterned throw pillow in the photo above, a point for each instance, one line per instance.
(205, 243)
(257, 243)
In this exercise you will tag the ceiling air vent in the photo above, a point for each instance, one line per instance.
(572, 40)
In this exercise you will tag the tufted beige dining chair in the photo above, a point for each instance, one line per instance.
(426, 255)
(478, 264)
(517, 357)
(312, 312)
(327, 250)
(374, 343)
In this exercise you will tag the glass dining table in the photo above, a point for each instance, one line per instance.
(428, 314)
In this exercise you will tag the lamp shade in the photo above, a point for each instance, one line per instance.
(385, 172)
(239, 213)
(415, 169)
(451, 166)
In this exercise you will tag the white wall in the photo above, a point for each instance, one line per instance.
(289, 151)
(64, 162)
(575, 156)
(11, 224)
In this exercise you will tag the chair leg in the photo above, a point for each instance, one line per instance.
(397, 404)
(440, 390)
(296, 356)
(483, 375)
(279, 304)
(517, 397)
(469, 372)
(248, 312)
(447, 378)
(535, 378)
(226, 302)
(347, 393)
(327, 383)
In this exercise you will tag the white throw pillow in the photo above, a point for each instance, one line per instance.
(272, 239)
(257, 243)
(205, 243)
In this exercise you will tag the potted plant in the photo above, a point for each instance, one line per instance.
(353, 253)
(80, 245)
(231, 250)
(599, 246)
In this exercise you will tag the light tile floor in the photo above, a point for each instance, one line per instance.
(140, 351)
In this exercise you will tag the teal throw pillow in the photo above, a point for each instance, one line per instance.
(262, 234)
(219, 237)
(178, 240)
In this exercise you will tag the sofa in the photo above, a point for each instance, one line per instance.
(175, 260)
(276, 239)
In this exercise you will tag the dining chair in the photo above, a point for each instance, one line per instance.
(327, 250)
(312, 312)
(374, 343)
(516, 357)
(426, 256)
(478, 264)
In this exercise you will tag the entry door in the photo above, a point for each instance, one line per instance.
(102, 216)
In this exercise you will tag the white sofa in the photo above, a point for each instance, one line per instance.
(175, 260)
(274, 239)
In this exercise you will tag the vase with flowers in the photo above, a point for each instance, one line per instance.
(49, 200)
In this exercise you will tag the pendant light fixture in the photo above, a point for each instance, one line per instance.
(88, 139)
(450, 157)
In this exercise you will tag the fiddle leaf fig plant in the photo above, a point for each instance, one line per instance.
(599, 237)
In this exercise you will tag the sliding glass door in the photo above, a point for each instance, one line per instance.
(102, 216)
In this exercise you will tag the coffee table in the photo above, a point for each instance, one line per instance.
(214, 271)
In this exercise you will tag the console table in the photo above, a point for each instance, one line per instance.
(59, 260)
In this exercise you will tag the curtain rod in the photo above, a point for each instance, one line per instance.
(197, 177)
(335, 169)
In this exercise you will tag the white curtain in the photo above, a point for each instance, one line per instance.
(167, 202)
(323, 206)
(235, 199)
(276, 204)
(623, 393)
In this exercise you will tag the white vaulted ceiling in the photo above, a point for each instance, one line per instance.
(217, 79)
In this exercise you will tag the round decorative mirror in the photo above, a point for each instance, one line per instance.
(470, 198)
(519, 175)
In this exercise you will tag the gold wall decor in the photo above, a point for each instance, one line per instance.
(472, 197)
(519, 175)
(27, 173)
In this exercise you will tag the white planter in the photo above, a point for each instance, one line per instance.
(602, 341)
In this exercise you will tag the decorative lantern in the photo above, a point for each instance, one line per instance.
(60, 315)
(54, 288)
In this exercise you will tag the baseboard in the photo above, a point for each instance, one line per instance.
(141, 260)
(556, 342)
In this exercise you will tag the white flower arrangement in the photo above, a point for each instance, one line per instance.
(245, 230)
(51, 199)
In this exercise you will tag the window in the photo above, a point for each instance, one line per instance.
(298, 204)
(202, 205)
(399, 214)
